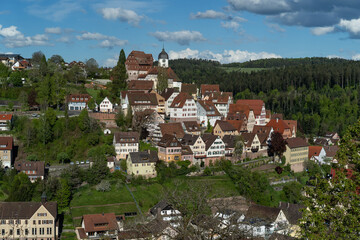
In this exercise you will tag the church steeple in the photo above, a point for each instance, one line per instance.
(163, 59)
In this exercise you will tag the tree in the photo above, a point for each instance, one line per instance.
(333, 206)
(36, 59)
(277, 145)
(16, 79)
(84, 121)
(162, 79)
(19, 187)
(119, 75)
(239, 146)
(57, 59)
(63, 194)
(91, 67)
(63, 157)
(120, 118)
(103, 186)
(292, 192)
(91, 104)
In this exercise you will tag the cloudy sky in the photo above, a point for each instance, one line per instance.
(223, 30)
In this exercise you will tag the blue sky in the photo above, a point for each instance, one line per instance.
(223, 30)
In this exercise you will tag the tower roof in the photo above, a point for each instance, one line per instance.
(163, 55)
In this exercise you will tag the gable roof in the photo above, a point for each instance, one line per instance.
(126, 137)
(191, 126)
(169, 141)
(6, 117)
(6, 143)
(254, 104)
(162, 205)
(189, 139)
(292, 211)
(140, 98)
(38, 166)
(239, 108)
(138, 60)
(296, 142)
(277, 115)
(180, 100)
(209, 139)
(224, 125)
(168, 92)
(248, 138)
(140, 85)
(78, 98)
(261, 214)
(278, 125)
(100, 222)
(314, 151)
(209, 107)
(292, 124)
(189, 88)
(144, 157)
(172, 129)
(262, 129)
(331, 150)
(222, 97)
(25, 210)
(229, 141)
(238, 125)
(209, 88)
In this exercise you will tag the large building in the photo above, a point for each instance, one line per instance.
(142, 164)
(28, 220)
(5, 121)
(138, 63)
(297, 152)
(125, 143)
(183, 108)
(78, 102)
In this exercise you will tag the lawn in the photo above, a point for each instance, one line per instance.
(93, 92)
(68, 235)
(143, 146)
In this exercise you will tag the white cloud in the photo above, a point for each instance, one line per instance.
(356, 57)
(64, 39)
(231, 24)
(209, 14)
(227, 56)
(322, 30)
(333, 56)
(275, 27)
(106, 41)
(260, 6)
(54, 30)
(56, 11)
(111, 62)
(181, 37)
(124, 15)
(239, 19)
(352, 25)
(9, 31)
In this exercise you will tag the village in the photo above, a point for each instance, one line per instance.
(195, 127)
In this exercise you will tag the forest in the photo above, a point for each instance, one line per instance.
(321, 93)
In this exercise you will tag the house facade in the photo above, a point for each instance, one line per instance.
(6, 151)
(197, 146)
(214, 148)
(106, 106)
(142, 164)
(169, 95)
(207, 113)
(258, 107)
(138, 63)
(297, 152)
(5, 121)
(99, 226)
(223, 128)
(317, 154)
(169, 148)
(33, 169)
(78, 102)
(125, 143)
(28, 220)
(183, 108)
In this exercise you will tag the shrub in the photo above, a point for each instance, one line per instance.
(103, 186)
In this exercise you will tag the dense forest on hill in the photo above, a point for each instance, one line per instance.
(322, 94)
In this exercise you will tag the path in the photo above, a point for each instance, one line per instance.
(137, 205)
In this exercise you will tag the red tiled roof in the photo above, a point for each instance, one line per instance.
(314, 151)
(79, 98)
(238, 124)
(172, 129)
(100, 222)
(140, 85)
(254, 104)
(209, 88)
(138, 60)
(296, 142)
(6, 143)
(192, 126)
(292, 124)
(180, 100)
(126, 137)
(239, 108)
(262, 129)
(224, 125)
(6, 117)
(278, 125)
(141, 98)
(189, 88)
(220, 97)
(37, 166)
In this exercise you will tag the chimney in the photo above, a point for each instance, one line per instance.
(277, 119)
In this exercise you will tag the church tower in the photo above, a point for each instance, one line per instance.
(163, 59)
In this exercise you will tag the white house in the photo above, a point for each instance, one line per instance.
(317, 154)
(78, 102)
(183, 108)
(125, 143)
(214, 148)
(106, 106)
(207, 113)
(169, 95)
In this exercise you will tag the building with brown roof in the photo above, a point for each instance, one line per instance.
(282, 127)
(142, 163)
(197, 146)
(78, 102)
(175, 129)
(191, 89)
(169, 95)
(139, 101)
(169, 148)
(240, 112)
(239, 125)
(223, 128)
(297, 152)
(222, 101)
(293, 213)
(183, 108)
(317, 154)
(207, 113)
(125, 143)
(138, 63)
(214, 148)
(34, 169)
(99, 226)
(6, 151)
(207, 89)
(140, 86)
(191, 127)
(5, 121)
(331, 152)
(258, 107)
(29, 220)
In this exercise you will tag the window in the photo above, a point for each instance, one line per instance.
(48, 231)
(41, 231)
(11, 232)
(26, 231)
(34, 222)
(2, 231)
(33, 231)
(17, 231)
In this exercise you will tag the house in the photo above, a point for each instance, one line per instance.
(280, 126)
(169, 148)
(207, 113)
(191, 127)
(197, 146)
(5, 121)
(29, 220)
(187, 154)
(142, 164)
(169, 95)
(110, 163)
(331, 153)
(333, 137)
(21, 65)
(223, 128)
(251, 141)
(160, 103)
(165, 211)
(138, 63)
(99, 226)
(106, 106)
(174, 129)
(240, 112)
(317, 154)
(78, 102)
(6, 151)
(34, 169)
(293, 213)
(262, 221)
(323, 141)
(230, 142)
(5, 60)
(293, 126)
(222, 101)
(151, 123)
(125, 143)
(258, 107)
(207, 89)
(183, 108)
(140, 86)
(268, 116)
(154, 73)
(191, 89)
(139, 101)
(297, 152)
(239, 125)
(214, 148)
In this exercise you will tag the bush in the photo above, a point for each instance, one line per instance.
(103, 186)
(63, 157)
(207, 171)
(32, 158)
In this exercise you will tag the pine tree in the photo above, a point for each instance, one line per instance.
(119, 76)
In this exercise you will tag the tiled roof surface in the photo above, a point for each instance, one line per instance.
(37, 166)
(278, 125)
(172, 129)
(100, 222)
(6, 117)
(126, 137)
(25, 210)
(224, 125)
(180, 99)
(314, 151)
(209, 88)
(296, 142)
(254, 104)
(6, 143)
(140, 85)
(189, 88)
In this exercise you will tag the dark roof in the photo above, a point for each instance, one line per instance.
(191, 126)
(189, 139)
(180, 100)
(296, 142)
(278, 236)
(263, 137)
(189, 88)
(25, 210)
(125, 137)
(143, 157)
(172, 129)
(239, 125)
(224, 125)
(167, 93)
(248, 138)
(169, 141)
(163, 55)
(100, 222)
(262, 129)
(209, 107)
(209, 139)
(292, 211)
(37, 166)
(277, 116)
(331, 150)
(229, 141)
(6, 143)
(261, 214)
(140, 98)
(140, 85)
(186, 150)
(162, 205)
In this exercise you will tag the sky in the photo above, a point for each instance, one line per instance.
(222, 30)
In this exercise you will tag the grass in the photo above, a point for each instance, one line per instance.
(118, 209)
(93, 92)
(68, 235)
(143, 146)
